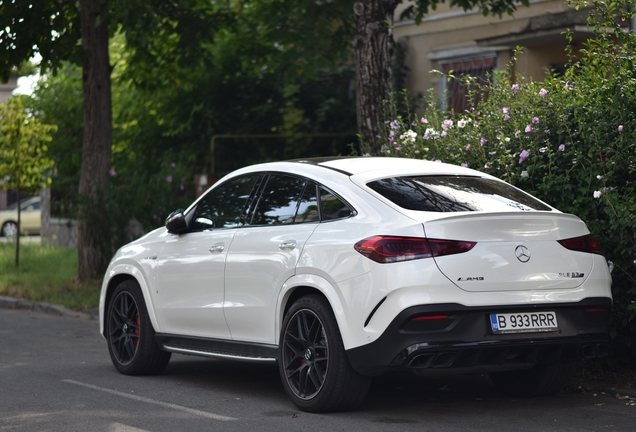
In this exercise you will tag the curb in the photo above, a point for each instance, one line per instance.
(18, 303)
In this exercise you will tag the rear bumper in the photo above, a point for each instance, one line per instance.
(465, 338)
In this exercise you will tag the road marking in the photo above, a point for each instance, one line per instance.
(152, 401)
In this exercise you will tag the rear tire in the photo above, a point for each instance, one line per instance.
(131, 337)
(540, 380)
(313, 364)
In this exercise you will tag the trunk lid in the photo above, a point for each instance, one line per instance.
(514, 251)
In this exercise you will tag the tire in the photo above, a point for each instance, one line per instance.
(540, 380)
(131, 338)
(10, 229)
(313, 364)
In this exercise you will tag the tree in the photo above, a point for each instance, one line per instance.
(54, 29)
(373, 46)
(24, 165)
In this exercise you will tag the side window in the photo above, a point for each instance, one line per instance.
(308, 205)
(331, 207)
(279, 200)
(224, 206)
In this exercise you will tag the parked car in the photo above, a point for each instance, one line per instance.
(341, 269)
(30, 220)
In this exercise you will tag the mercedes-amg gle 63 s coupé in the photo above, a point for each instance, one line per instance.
(341, 269)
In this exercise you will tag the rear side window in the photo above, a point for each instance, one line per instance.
(454, 194)
(331, 207)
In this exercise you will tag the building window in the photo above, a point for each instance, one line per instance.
(456, 93)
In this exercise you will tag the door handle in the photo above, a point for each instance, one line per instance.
(219, 247)
(289, 244)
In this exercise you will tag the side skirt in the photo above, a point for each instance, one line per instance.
(217, 348)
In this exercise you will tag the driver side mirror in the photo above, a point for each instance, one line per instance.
(176, 222)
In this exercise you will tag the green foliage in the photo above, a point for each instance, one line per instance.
(24, 165)
(569, 140)
(46, 275)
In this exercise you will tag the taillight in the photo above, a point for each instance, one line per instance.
(387, 249)
(585, 243)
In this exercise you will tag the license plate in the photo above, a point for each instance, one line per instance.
(524, 322)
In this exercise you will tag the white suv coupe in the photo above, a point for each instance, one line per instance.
(341, 269)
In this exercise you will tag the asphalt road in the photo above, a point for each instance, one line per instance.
(56, 375)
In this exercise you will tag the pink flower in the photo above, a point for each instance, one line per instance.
(543, 149)
(528, 129)
(467, 147)
(465, 165)
(506, 117)
(505, 110)
(562, 147)
(620, 128)
(535, 120)
(111, 172)
(483, 141)
(366, 155)
(173, 165)
(444, 134)
(543, 92)
(181, 187)
(424, 120)
(448, 124)
(487, 166)
(169, 179)
(523, 156)
(515, 87)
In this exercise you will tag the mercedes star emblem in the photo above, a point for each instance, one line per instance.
(522, 253)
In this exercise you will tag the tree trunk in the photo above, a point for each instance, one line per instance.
(373, 48)
(96, 147)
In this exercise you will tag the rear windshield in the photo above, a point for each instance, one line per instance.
(454, 194)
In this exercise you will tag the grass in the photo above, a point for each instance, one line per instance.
(46, 275)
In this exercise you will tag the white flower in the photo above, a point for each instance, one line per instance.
(524, 174)
(599, 177)
(409, 136)
(461, 123)
(597, 194)
(507, 139)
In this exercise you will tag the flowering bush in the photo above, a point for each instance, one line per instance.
(569, 140)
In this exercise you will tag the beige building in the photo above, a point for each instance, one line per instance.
(470, 43)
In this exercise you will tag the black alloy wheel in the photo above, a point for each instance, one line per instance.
(313, 363)
(131, 337)
(124, 328)
(305, 354)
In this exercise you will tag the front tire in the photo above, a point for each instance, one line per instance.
(10, 229)
(313, 364)
(539, 380)
(131, 337)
